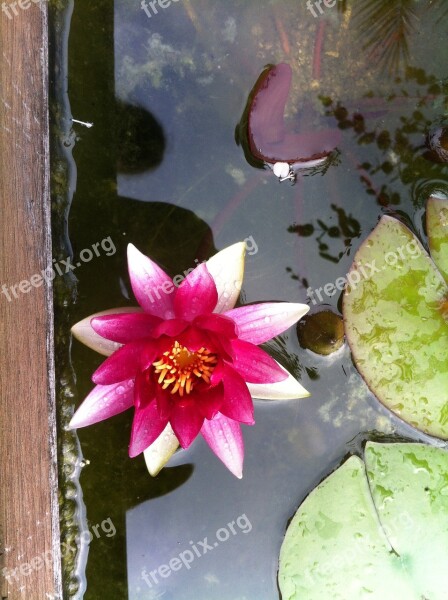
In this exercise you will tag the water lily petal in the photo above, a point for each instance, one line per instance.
(227, 269)
(145, 390)
(220, 345)
(288, 389)
(152, 287)
(165, 401)
(209, 402)
(237, 403)
(194, 339)
(196, 294)
(125, 362)
(146, 428)
(224, 437)
(259, 323)
(186, 421)
(124, 328)
(254, 364)
(160, 451)
(219, 324)
(84, 332)
(171, 328)
(104, 401)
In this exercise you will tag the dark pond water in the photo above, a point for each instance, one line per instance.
(160, 168)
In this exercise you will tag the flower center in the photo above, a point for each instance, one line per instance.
(179, 369)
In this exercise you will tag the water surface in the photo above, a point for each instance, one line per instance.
(160, 168)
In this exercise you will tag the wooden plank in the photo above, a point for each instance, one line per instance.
(29, 531)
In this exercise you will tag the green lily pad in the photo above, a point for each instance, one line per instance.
(380, 535)
(396, 328)
(437, 226)
(409, 484)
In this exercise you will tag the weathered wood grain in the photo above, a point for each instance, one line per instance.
(29, 533)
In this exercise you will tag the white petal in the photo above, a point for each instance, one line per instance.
(288, 389)
(227, 269)
(84, 332)
(160, 451)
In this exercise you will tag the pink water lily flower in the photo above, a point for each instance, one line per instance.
(186, 360)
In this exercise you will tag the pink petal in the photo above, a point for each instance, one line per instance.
(237, 404)
(194, 339)
(84, 332)
(126, 327)
(152, 287)
(287, 389)
(224, 437)
(145, 390)
(209, 401)
(221, 346)
(165, 402)
(171, 328)
(146, 428)
(125, 362)
(219, 324)
(259, 323)
(196, 294)
(104, 401)
(254, 364)
(186, 421)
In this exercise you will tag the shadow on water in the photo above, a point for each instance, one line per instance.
(141, 140)
(128, 139)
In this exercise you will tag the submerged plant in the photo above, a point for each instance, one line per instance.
(186, 360)
(386, 27)
(268, 140)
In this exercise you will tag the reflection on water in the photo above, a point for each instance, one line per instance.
(161, 169)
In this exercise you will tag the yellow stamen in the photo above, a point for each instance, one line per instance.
(181, 369)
